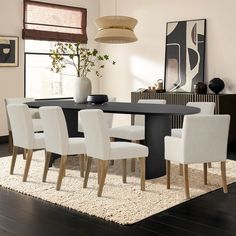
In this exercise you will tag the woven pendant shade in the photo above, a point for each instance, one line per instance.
(115, 29)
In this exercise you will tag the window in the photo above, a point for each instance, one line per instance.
(40, 81)
(45, 24)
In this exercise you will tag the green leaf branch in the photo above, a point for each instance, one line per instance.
(84, 60)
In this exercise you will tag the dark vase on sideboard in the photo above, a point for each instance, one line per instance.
(216, 85)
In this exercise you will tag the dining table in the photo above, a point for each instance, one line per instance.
(158, 119)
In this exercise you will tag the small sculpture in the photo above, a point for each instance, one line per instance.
(159, 85)
(200, 88)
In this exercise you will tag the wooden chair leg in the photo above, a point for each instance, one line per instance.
(132, 165)
(104, 167)
(27, 164)
(223, 175)
(61, 172)
(142, 172)
(124, 167)
(186, 181)
(112, 161)
(205, 172)
(181, 169)
(99, 171)
(81, 164)
(13, 161)
(10, 141)
(133, 159)
(88, 167)
(209, 165)
(168, 174)
(46, 165)
(24, 154)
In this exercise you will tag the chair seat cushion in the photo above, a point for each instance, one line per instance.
(126, 150)
(129, 132)
(176, 133)
(39, 141)
(76, 146)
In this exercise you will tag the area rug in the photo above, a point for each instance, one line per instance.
(120, 203)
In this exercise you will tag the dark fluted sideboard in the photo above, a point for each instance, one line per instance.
(225, 104)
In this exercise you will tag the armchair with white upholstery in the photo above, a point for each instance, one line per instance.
(204, 139)
(98, 146)
(206, 108)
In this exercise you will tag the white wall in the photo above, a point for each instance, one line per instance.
(11, 23)
(141, 63)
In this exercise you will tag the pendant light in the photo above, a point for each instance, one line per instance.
(115, 29)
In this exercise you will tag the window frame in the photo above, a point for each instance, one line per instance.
(44, 54)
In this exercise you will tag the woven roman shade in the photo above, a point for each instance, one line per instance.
(53, 22)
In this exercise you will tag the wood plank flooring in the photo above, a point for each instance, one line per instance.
(210, 214)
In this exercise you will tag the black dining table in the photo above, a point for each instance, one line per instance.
(157, 124)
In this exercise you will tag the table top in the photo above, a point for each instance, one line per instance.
(120, 107)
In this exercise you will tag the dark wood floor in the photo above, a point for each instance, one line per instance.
(210, 214)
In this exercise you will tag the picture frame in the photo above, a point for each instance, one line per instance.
(184, 55)
(9, 51)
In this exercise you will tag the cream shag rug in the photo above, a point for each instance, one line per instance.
(120, 203)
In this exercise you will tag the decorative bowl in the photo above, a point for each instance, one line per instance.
(97, 98)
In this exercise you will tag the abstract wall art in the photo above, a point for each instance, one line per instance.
(185, 54)
(9, 51)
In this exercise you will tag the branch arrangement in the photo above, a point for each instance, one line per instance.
(84, 60)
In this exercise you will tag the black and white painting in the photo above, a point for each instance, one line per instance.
(8, 51)
(185, 53)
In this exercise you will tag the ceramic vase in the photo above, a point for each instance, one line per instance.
(216, 85)
(82, 89)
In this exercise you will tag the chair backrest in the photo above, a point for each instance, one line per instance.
(21, 125)
(8, 101)
(55, 129)
(205, 138)
(96, 133)
(139, 119)
(207, 108)
(109, 116)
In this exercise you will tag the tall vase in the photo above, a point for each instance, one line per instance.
(82, 89)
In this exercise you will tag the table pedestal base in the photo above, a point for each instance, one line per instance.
(156, 128)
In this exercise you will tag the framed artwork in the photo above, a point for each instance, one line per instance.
(9, 47)
(185, 55)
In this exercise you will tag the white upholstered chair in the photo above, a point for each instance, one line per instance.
(206, 108)
(108, 116)
(23, 134)
(204, 139)
(33, 111)
(57, 141)
(135, 133)
(98, 146)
